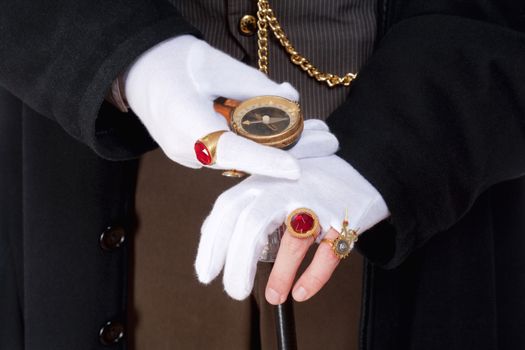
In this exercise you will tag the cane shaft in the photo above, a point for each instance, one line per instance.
(285, 326)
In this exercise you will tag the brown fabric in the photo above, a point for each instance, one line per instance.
(173, 311)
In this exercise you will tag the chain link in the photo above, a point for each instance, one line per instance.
(262, 37)
(266, 18)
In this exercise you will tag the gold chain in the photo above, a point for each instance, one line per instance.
(266, 18)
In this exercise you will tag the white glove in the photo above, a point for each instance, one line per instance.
(171, 88)
(316, 141)
(236, 231)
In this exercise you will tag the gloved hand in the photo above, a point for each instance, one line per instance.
(171, 89)
(316, 141)
(235, 232)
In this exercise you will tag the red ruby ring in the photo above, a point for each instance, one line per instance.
(303, 223)
(206, 147)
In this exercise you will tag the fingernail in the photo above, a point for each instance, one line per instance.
(299, 294)
(272, 296)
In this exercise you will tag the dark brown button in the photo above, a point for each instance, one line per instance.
(112, 238)
(248, 25)
(111, 333)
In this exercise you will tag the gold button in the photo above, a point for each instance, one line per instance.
(248, 25)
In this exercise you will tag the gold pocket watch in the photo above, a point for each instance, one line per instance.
(269, 120)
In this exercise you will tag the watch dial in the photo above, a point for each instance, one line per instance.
(265, 121)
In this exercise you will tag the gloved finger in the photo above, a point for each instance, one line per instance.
(318, 272)
(216, 232)
(189, 164)
(218, 74)
(289, 257)
(258, 88)
(315, 124)
(176, 155)
(176, 130)
(246, 245)
(236, 152)
(315, 143)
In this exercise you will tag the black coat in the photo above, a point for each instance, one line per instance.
(436, 121)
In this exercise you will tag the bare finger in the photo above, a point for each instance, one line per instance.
(318, 272)
(290, 255)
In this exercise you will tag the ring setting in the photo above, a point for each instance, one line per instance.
(303, 223)
(206, 147)
(344, 243)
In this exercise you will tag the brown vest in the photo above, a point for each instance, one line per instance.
(172, 310)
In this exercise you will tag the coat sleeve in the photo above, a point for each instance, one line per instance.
(60, 57)
(435, 118)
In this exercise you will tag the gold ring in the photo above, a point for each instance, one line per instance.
(234, 173)
(344, 243)
(303, 223)
(329, 241)
(206, 147)
(340, 247)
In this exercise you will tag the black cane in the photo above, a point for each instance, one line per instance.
(285, 326)
(283, 313)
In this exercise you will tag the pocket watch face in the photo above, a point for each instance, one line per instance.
(269, 120)
(265, 121)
